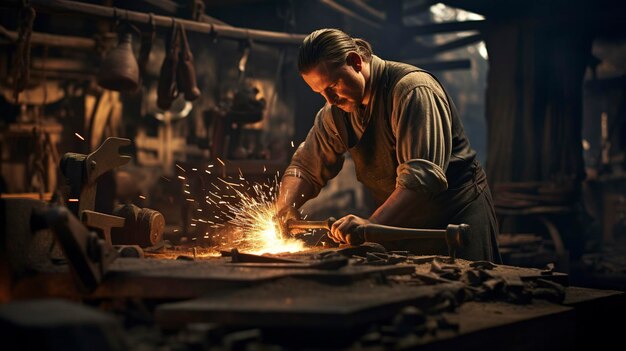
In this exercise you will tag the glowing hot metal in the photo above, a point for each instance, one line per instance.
(254, 220)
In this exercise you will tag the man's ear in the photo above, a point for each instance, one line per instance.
(354, 60)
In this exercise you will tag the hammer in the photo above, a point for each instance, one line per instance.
(456, 235)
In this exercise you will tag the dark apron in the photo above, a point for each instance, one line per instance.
(467, 199)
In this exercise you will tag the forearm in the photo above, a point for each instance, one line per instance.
(399, 208)
(396, 211)
(294, 192)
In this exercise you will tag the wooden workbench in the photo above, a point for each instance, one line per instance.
(334, 309)
(580, 323)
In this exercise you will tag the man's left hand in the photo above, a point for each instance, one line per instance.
(344, 229)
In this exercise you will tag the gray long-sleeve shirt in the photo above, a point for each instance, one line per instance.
(421, 122)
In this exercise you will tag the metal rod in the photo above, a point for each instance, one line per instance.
(415, 50)
(309, 225)
(51, 39)
(218, 30)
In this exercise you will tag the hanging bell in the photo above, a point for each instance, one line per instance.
(119, 70)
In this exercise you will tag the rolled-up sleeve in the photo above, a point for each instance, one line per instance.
(422, 124)
(320, 157)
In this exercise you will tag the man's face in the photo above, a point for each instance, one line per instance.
(342, 86)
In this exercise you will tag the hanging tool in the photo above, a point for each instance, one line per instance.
(186, 74)
(456, 235)
(167, 90)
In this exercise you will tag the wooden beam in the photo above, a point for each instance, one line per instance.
(369, 9)
(419, 7)
(418, 50)
(446, 27)
(441, 65)
(34, 196)
(213, 29)
(52, 39)
(61, 75)
(483, 7)
(346, 11)
(60, 64)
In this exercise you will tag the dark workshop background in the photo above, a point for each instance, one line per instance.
(539, 84)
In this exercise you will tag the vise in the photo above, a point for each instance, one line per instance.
(128, 224)
(82, 172)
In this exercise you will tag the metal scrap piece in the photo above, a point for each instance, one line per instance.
(483, 265)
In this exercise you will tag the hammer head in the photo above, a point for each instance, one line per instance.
(281, 220)
(282, 229)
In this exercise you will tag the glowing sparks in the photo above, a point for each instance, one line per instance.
(260, 233)
(254, 211)
(228, 183)
(220, 161)
(243, 212)
(79, 136)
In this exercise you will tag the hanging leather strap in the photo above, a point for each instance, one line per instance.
(21, 64)
(147, 39)
(186, 71)
(167, 90)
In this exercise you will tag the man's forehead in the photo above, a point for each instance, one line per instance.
(321, 75)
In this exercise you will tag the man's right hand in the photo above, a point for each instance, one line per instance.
(293, 193)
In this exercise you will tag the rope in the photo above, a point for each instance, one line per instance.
(21, 62)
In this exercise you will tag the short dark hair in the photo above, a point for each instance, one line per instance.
(331, 45)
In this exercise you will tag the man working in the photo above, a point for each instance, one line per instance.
(406, 140)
